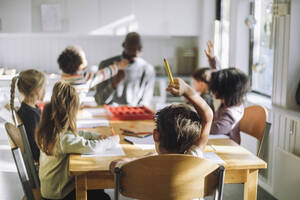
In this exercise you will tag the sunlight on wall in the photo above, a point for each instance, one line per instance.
(118, 27)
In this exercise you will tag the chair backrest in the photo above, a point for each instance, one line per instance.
(169, 176)
(14, 135)
(29, 157)
(254, 123)
(22, 171)
(18, 138)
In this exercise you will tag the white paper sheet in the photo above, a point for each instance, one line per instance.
(116, 151)
(146, 143)
(212, 156)
(95, 111)
(91, 123)
(218, 137)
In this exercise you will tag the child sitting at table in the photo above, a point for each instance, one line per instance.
(201, 78)
(31, 84)
(72, 61)
(180, 128)
(57, 138)
(230, 86)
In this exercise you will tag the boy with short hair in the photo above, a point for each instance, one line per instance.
(180, 128)
(72, 61)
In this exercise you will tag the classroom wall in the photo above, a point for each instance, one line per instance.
(155, 17)
(40, 51)
(17, 21)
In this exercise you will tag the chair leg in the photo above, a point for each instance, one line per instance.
(117, 183)
(219, 190)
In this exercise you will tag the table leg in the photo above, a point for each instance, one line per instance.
(81, 187)
(250, 186)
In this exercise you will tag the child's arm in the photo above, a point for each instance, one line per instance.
(204, 111)
(109, 72)
(90, 135)
(212, 60)
(71, 143)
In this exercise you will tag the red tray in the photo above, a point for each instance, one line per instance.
(129, 113)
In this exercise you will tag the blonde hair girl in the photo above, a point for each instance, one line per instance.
(57, 137)
(31, 84)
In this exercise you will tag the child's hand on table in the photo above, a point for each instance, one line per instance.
(102, 137)
(116, 138)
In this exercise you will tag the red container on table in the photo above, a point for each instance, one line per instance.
(129, 113)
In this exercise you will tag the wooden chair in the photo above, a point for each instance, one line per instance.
(28, 176)
(254, 123)
(27, 153)
(169, 176)
(23, 175)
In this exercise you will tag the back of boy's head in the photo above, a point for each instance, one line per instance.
(202, 74)
(229, 84)
(27, 82)
(70, 59)
(179, 127)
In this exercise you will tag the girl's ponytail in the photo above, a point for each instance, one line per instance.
(12, 97)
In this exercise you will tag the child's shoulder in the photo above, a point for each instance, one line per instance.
(237, 111)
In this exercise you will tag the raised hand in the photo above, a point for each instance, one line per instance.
(179, 87)
(210, 50)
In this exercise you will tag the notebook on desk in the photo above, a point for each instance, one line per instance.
(145, 143)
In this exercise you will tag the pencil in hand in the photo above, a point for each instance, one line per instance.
(168, 71)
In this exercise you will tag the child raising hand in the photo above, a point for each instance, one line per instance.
(180, 88)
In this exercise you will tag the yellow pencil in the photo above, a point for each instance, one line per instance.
(168, 71)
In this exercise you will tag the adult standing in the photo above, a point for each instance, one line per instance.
(132, 86)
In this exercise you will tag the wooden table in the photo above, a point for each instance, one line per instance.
(93, 172)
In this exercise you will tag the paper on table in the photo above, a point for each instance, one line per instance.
(145, 143)
(116, 151)
(218, 137)
(91, 123)
(212, 156)
(91, 112)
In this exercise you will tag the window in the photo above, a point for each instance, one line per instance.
(222, 31)
(261, 46)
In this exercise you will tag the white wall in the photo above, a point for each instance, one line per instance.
(41, 51)
(155, 17)
(15, 15)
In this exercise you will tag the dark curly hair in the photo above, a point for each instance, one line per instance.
(70, 60)
(229, 84)
(179, 127)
